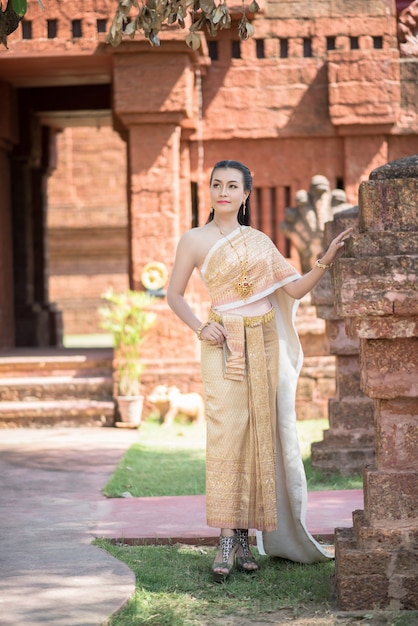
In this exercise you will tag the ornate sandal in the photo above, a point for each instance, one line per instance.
(228, 547)
(241, 539)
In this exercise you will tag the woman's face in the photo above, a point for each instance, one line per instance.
(227, 191)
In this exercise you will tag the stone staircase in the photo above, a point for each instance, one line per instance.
(56, 386)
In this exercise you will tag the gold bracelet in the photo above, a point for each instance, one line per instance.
(323, 266)
(200, 329)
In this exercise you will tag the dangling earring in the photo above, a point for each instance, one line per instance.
(244, 206)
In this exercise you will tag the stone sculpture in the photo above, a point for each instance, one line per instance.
(304, 223)
(170, 401)
(408, 30)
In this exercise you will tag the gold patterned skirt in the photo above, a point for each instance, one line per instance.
(241, 424)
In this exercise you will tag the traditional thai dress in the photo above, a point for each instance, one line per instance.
(254, 472)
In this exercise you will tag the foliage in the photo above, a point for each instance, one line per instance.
(20, 7)
(126, 317)
(153, 14)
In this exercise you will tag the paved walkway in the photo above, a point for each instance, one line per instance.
(51, 508)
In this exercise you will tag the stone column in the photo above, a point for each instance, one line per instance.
(348, 444)
(376, 288)
(7, 139)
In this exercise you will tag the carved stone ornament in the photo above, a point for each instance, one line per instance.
(154, 276)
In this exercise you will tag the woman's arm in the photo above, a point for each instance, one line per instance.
(300, 287)
(184, 264)
(187, 256)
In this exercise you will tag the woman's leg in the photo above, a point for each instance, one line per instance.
(224, 560)
(245, 560)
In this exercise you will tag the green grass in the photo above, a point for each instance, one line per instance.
(175, 588)
(171, 462)
(92, 340)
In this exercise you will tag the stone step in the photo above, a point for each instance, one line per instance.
(62, 412)
(344, 438)
(344, 461)
(56, 386)
(56, 362)
(37, 388)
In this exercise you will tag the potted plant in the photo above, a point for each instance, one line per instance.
(128, 318)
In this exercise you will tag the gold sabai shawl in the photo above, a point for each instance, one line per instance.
(267, 268)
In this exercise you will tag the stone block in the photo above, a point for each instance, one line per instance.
(404, 588)
(348, 376)
(323, 293)
(372, 243)
(388, 205)
(397, 433)
(326, 312)
(378, 569)
(351, 414)
(384, 327)
(406, 167)
(360, 577)
(336, 338)
(358, 438)
(389, 367)
(355, 562)
(405, 560)
(390, 496)
(392, 536)
(376, 286)
(331, 458)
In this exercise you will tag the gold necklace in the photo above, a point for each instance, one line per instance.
(243, 286)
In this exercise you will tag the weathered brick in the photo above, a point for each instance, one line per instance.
(389, 367)
(390, 495)
(397, 433)
(388, 205)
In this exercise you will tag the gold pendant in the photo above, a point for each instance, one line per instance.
(244, 287)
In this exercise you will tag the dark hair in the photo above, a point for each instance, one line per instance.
(244, 219)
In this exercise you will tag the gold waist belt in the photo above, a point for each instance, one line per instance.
(249, 322)
(234, 345)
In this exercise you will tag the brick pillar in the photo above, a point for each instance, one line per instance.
(348, 444)
(7, 139)
(154, 96)
(376, 288)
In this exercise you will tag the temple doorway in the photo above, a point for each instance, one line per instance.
(87, 228)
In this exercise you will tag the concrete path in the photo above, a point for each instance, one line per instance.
(50, 482)
(51, 508)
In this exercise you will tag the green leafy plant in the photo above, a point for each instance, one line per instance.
(128, 318)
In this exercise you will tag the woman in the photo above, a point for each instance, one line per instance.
(250, 361)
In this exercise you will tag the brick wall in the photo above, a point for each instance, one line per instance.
(87, 224)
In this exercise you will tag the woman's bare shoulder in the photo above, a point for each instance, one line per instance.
(199, 241)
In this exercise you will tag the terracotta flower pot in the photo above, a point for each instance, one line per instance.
(130, 411)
